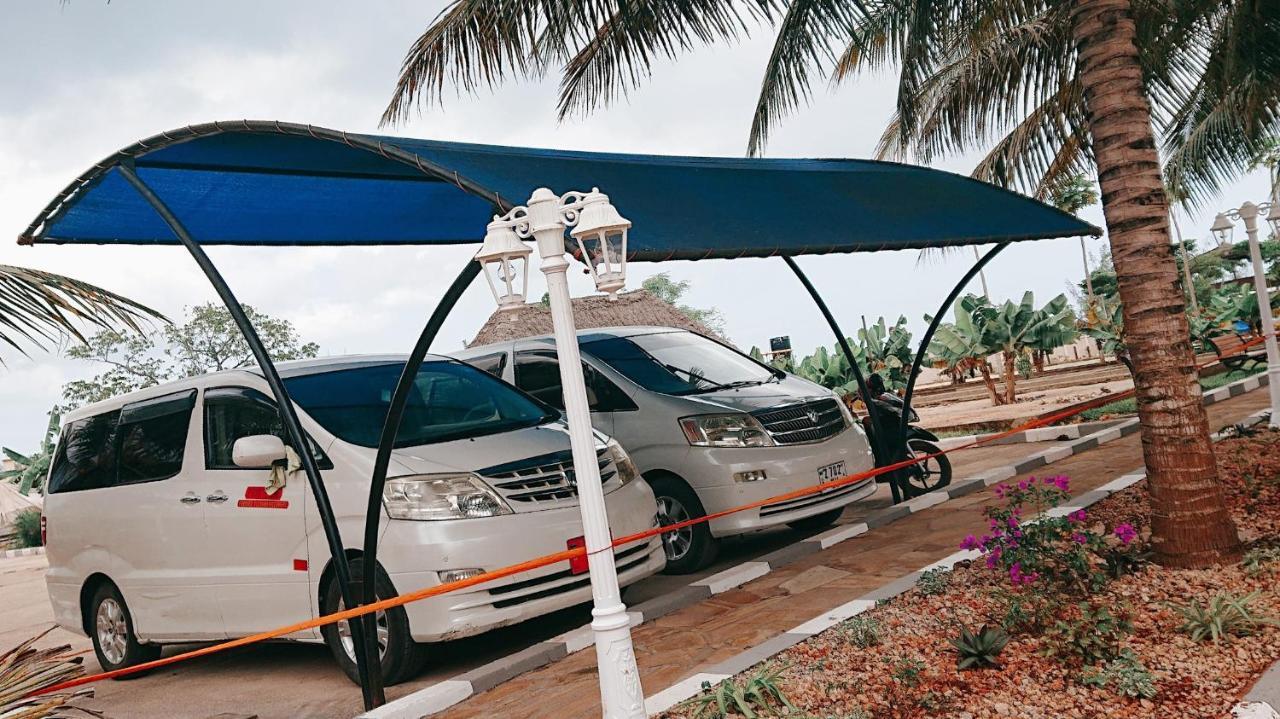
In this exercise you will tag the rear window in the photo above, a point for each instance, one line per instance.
(86, 457)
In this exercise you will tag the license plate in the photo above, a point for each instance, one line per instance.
(831, 472)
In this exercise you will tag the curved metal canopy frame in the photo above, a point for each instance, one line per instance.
(363, 592)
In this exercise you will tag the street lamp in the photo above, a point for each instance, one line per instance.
(601, 235)
(1221, 228)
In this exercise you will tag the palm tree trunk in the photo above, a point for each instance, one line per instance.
(1190, 525)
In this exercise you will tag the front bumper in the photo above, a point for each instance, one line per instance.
(710, 470)
(415, 551)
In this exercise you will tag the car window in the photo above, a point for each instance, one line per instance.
(538, 373)
(86, 457)
(234, 412)
(448, 401)
(494, 364)
(678, 363)
(152, 437)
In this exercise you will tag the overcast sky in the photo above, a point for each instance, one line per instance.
(82, 80)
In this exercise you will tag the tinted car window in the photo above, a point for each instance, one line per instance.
(678, 363)
(234, 412)
(86, 457)
(538, 373)
(494, 364)
(448, 401)
(153, 437)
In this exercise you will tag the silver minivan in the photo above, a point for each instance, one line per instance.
(708, 427)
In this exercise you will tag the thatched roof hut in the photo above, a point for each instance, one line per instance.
(635, 308)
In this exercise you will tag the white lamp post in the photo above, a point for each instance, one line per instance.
(1221, 228)
(601, 235)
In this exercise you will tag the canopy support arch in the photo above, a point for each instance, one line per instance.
(370, 681)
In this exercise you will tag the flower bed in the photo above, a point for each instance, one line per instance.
(1076, 623)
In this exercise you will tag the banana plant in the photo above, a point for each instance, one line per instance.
(1055, 326)
(32, 470)
(887, 350)
(1013, 329)
(963, 345)
(1108, 329)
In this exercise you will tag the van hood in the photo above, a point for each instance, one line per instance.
(469, 455)
(788, 390)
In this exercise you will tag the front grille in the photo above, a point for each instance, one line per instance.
(624, 559)
(546, 478)
(810, 500)
(803, 423)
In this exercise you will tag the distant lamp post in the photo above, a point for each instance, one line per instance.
(601, 235)
(1222, 228)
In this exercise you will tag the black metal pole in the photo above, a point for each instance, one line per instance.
(391, 428)
(288, 416)
(880, 443)
(933, 327)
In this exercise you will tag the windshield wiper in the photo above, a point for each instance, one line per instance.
(697, 378)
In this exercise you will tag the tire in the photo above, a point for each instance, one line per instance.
(931, 474)
(111, 627)
(402, 658)
(691, 548)
(817, 521)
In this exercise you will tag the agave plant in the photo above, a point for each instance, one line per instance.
(1226, 616)
(978, 650)
(761, 693)
(39, 308)
(25, 670)
(32, 469)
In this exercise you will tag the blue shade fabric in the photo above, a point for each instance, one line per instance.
(312, 187)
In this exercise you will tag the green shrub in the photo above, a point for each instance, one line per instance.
(1256, 560)
(906, 671)
(861, 631)
(1124, 675)
(1226, 616)
(1092, 637)
(26, 527)
(978, 650)
(760, 695)
(934, 581)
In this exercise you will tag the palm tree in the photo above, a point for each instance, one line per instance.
(1070, 78)
(1072, 194)
(40, 308)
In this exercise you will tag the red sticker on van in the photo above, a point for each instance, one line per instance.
(259, 498)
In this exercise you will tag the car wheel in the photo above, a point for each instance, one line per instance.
(402, 658)
(114, 641)
(817, 521)
(928, 474)
(690, 548)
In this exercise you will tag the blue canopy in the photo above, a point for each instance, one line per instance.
(273, 183)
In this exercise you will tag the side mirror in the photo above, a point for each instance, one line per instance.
(258, 451)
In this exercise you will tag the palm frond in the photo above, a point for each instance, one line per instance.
(38, 308)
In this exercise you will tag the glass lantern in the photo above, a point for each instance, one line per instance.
(504, 259)
(602, 241)
(1221, 229)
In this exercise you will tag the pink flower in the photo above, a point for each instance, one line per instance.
(1018, 577)
(970, 542)
(1079, 538)
(1125, 533)
(1077, 516)
(1023, 485)
(1061, 482)
(1000, 490)
(1013, 522)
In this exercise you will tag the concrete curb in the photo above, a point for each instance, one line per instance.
(1263, 698)
(26, 552)
(439, 697)
(1267, 687)
(1039, 434)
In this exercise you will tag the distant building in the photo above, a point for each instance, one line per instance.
(635, 308)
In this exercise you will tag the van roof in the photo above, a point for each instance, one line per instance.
(584, 335)
(291, 368)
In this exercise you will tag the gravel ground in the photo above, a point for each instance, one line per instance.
(911, 672)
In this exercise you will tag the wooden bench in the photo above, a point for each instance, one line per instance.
(1230, 351)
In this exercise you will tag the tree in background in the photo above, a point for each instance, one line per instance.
(668, 290)
(887, 351)
(1071, 194)
(33, 468)
(208, 341)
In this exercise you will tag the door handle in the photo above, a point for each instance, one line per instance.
(190, 498)
(217, 497)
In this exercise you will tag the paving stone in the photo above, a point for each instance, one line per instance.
(812, 578)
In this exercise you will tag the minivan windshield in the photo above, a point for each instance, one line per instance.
(678, 363)
(449, 401)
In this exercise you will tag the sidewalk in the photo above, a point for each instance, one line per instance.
(695, 638)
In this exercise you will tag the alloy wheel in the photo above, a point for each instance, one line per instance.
(676, 544)
(348, 644)
(112, 630)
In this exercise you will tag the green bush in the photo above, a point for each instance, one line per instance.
(1092, 637)
(1226, 616)
(27, 528)
(934, 581)
(1124, 675)
(861, 631)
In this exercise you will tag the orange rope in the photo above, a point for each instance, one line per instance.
(581, 551)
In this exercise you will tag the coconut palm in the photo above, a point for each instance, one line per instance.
(40, 308)
(1076, 80)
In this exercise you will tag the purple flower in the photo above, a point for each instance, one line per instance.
(1012, 522)
(1126, 533)
(1023, 485)
(1079, 538)
(970, 542)
(1077, 516)
(1018, 577)
(1061, 482)
(1000, 490)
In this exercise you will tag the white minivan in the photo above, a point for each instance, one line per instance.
(161, 527)
(708, 427)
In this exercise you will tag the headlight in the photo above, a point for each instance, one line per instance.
(441, 496)
(725, 430)
(622, 462)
